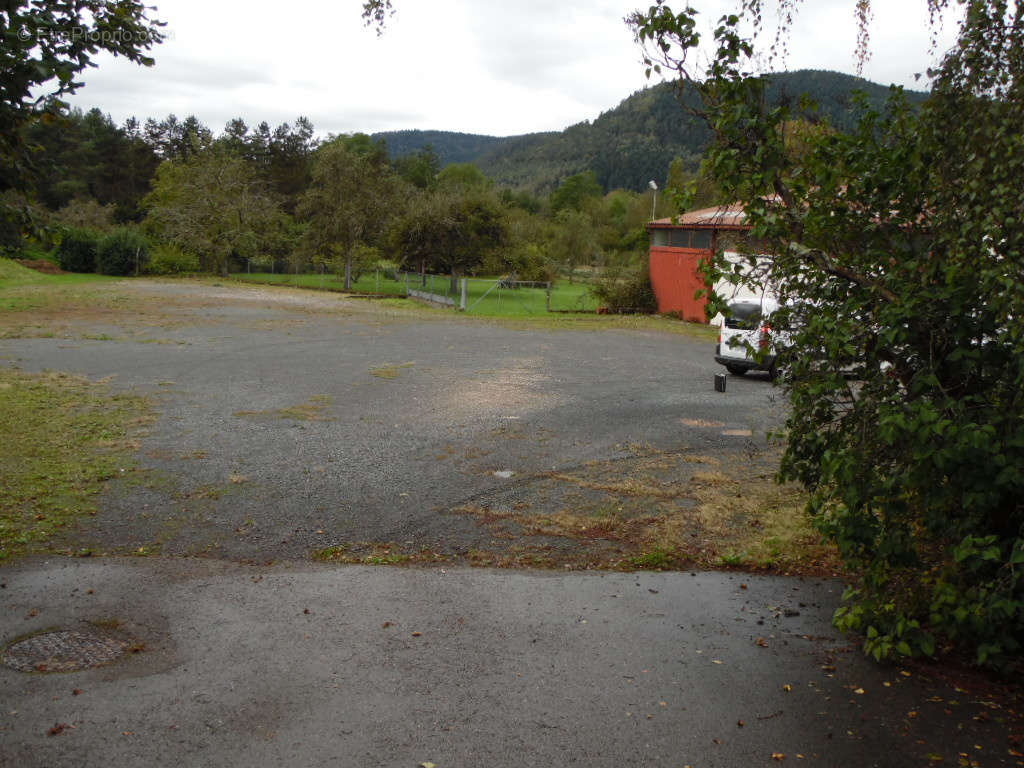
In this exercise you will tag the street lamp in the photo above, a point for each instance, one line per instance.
(654, 202)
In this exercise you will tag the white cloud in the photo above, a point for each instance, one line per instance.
(469, 65)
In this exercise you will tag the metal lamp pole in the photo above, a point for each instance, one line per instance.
(654, 202)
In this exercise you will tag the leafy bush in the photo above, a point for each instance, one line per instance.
(901, 244)
(625, 289)
(121, 252)
(364, 259)
(168, 259)
(77, 251)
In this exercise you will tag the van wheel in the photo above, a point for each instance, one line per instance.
(735, 370)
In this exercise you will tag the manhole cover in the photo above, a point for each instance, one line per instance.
(63, 651)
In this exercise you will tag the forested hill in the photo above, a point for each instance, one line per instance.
(449, 146)
(633, 143)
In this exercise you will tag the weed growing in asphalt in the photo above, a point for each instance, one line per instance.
(312, 410)
(390, 371)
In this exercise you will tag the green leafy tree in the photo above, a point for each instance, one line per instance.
(575, 192)
(462, 177)
(450, 232)
(350, 201)
(213, 205)
(575, 241)
(898, 248)
(47, 44)
(84, 155)
(86, 213)
(419, 168)
(686, 190)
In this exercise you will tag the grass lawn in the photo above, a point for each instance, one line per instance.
(61, 437)
(25, 289)
(483, 297)
(13, 275)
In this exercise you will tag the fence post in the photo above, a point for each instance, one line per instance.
(548, 292)
(462, 304)
(407, 284)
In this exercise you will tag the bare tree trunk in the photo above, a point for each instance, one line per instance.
(423, 273)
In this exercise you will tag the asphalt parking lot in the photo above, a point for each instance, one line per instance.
(282, 428)
(286, 423)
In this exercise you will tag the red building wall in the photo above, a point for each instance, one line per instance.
(675, 280)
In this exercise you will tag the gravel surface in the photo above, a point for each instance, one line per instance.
(291, 421)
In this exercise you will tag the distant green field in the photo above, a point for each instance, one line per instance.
(13, 275)
(367, 283)
(483, 295)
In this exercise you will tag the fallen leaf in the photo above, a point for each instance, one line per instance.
(427, 765)
(715, 661)
(740, 723)
(778, 756)
(858, 691)
(58, 728)
(743, 586)
(762, 642)
(385, 625)
(305, 610)
(417, 634)
(76, 692)
(787, 687)
(127, 733)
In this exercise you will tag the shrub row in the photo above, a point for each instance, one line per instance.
(124, 251)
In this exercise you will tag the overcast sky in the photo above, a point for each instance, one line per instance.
(498, 67)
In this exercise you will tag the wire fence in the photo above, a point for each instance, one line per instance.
(477, 296)
(499, 296)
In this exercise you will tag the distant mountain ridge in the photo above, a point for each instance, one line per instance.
(450, 146)
(634, 142)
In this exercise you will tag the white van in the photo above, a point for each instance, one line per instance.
(746, 329)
